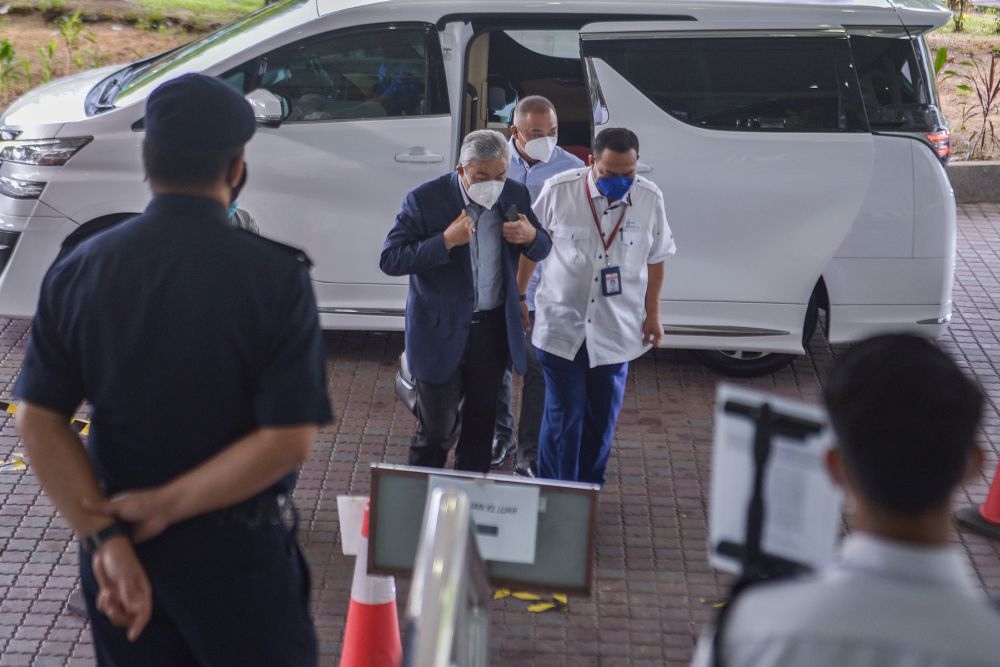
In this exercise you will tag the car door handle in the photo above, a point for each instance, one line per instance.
(422, 158)
(643, 168)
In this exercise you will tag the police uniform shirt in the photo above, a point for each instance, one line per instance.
(184, 333)
(882, 604)
(570, 306)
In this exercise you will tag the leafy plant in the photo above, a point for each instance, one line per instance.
(94, 52)
(9, 74)
(980, 81)
(46, 56)
(29, 77)
(70, 28)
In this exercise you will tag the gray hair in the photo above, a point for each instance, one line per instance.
(483, 145)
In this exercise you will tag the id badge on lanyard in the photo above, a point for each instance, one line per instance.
(611, 281)
(611, 276)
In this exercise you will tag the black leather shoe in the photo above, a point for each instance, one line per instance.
(522, 469)
(502, 448)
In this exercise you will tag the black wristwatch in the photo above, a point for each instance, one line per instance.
(523, 297)
(95, 541)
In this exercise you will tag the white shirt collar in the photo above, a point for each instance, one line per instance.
(515, 155)
(899, 560)
(465, 195)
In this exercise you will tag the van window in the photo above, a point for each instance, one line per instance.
(895, 83)
(388, 71)
(138, 82)
(782, 84)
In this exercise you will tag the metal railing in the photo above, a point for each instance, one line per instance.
(448, 614)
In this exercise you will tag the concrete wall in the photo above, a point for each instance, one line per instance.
(975, 181)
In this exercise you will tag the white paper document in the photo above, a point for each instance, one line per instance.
(802, 506)
(504, 516)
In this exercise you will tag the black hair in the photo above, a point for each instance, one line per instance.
(906, 419)
(172, 167)
(618, 139)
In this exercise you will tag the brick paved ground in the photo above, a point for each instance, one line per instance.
(654, 588)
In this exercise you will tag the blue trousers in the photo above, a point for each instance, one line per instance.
(581, 409)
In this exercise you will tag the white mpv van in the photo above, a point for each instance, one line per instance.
(799, 147)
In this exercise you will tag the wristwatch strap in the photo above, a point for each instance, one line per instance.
(94, 541)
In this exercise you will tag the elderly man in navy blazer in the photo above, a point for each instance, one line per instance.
(459, 238)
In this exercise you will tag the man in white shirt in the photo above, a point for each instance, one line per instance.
(597, 303)
(906, 420)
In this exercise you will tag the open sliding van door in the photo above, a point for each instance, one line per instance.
(759, 142)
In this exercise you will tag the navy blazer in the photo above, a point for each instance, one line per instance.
(441, 296)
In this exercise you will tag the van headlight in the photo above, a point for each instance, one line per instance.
(42, 152)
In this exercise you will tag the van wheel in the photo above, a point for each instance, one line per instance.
(744, 364)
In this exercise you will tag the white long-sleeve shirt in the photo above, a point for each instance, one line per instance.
(882, 604)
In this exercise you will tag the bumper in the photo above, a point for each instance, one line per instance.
(36, 247)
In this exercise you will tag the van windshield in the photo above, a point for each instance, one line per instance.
(249, 31)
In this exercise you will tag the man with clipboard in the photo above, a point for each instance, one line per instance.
(597, 304)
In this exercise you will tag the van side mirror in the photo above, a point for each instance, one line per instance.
(267, 107)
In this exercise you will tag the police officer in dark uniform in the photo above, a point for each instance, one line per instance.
(198, 348)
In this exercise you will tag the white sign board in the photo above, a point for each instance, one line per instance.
(802, 505)
(504, 516)
(351, 512)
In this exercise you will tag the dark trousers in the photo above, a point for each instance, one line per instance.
(473, 386)
(581, 409)
(222, 595)
(532, 406)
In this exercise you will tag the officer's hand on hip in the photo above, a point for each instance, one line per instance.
(147, 510)
(125, 595)
(652, 330)
(459, 232)
(519, 232)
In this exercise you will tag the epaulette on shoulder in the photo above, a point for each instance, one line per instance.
(291, 251)
(569, 176)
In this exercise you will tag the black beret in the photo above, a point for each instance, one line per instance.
(196, 112)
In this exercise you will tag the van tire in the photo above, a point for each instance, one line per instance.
(738, 363)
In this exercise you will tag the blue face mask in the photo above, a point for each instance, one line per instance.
(232, 209)
(615, 187)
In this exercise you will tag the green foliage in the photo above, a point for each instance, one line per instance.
(47, 6)
(46, 56)
(940, 58)
(28, 77)
(980, 81)
(70, 28)
(94, 55)
(9, 74)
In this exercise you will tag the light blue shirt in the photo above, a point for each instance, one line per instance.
(487, 257)
(533, 177)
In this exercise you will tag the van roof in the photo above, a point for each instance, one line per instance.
(925, 14)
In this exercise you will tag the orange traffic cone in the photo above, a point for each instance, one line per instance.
(984, 520)
(371, 638)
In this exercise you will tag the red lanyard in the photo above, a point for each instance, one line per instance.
(609, 240)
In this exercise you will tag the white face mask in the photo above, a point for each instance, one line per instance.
(485, 193)
(540, 149)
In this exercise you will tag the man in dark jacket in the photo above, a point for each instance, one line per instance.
(459, 238)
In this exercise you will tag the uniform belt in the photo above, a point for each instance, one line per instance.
(486, 315)
(270, 509)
